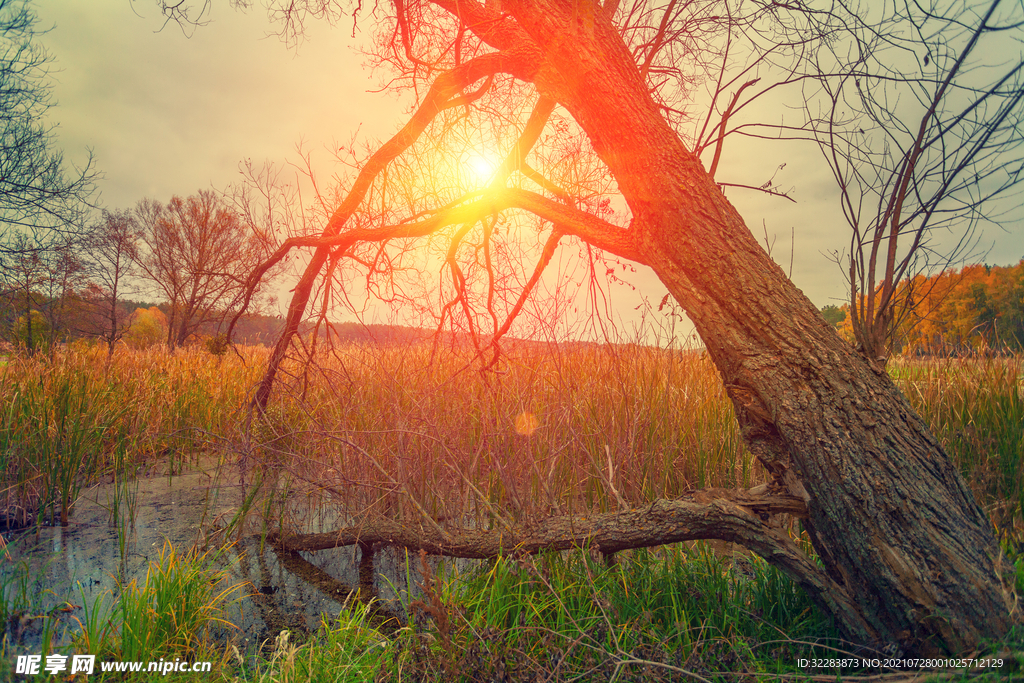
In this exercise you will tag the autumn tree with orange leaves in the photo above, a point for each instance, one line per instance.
(976, 309)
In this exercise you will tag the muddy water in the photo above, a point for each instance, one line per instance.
(96, 553)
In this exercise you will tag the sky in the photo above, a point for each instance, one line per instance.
(169, 114)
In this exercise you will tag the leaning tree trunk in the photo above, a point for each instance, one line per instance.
(898, 530)
(895, 525)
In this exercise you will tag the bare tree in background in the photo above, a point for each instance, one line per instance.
(42, 197)
(24, 274)
(40, 291)
(197, 253)
(64, 273)
(924, 132)
(112, 251)
(907, 554)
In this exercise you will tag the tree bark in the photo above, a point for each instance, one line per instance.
(734, 516)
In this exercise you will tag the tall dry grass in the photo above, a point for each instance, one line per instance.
(69, 417)
(407, 431)
(975, 406)
(576, 428)
(418, 432)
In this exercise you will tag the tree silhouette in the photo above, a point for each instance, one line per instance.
(41, 196)
(44, 201)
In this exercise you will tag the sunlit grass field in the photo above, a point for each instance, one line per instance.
(419, 432)
(70, 417)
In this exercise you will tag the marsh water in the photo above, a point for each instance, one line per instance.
(117, 529)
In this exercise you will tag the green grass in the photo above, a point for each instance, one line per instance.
(173, 612)
(651, 616)
(670, 614)
(346, 649)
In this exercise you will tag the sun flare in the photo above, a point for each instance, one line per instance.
(481, 168)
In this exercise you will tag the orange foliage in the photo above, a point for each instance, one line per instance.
(148, 327)
(957, 312)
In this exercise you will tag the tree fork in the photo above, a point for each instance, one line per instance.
(443, 94)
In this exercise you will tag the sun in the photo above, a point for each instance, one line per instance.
(480, 168)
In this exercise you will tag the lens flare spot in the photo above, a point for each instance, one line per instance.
(526, 423)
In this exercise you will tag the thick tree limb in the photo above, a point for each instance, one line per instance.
(599, 233)
(492, 27)
(516, 158)
(733, 516)
(571, 221)
(711, 513)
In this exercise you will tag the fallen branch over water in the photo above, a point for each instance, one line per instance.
(736, 516)
(739, 516)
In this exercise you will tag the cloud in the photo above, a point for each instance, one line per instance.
(168, 114)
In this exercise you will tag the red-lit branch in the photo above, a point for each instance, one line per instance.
(571, 221)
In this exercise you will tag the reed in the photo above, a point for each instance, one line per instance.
(975, 406)
(71, 416)
(16, 594)
(579, 428)
(27, 611)
(413, 430)
(175, 609)
(406, 431)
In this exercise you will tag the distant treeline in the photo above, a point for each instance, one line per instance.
(978, 308)
(400, 335)
(352, 332)
(146, 322)
(147, 325)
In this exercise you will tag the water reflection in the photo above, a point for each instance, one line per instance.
(100, 551)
